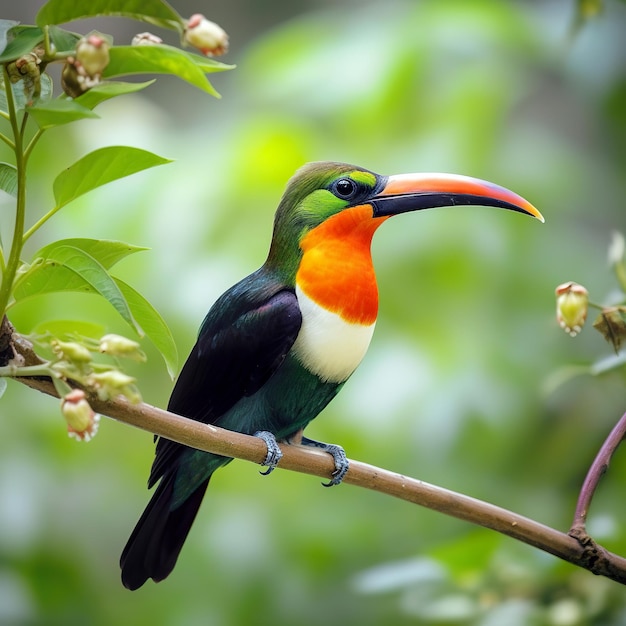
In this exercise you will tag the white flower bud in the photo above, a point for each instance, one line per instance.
(116, 345)
(146, 39)
(205, 35)
(71, 351)
(114, 383)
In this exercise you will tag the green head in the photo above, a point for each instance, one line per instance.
(323, 189)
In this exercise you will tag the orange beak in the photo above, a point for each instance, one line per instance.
(412, 192)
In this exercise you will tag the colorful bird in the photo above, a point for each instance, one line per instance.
(278, 346)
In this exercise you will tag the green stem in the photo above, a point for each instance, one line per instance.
(13, 261)
(7, 141)
(39, 223)
(32, 143)
(13, 371)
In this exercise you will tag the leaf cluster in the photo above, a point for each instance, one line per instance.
(30, 106)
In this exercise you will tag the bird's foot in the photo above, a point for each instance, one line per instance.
(339, 455)
(274, 454)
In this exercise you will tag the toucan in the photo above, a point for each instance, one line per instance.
(278, 346)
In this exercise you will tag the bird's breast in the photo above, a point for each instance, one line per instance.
(327, 345)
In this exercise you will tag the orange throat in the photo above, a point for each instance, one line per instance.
(336, 269)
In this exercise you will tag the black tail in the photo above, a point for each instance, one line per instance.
(158, 537)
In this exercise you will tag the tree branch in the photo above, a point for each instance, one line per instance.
(586, 554)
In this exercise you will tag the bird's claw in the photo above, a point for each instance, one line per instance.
(274, 453)
(339, 456)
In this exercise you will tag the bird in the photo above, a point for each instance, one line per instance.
(279, 345)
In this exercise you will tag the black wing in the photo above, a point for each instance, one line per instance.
(240, 346)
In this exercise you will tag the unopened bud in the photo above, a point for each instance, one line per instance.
(116, 345)
(205, 35)
(71, 351)
(572, 301)
(114, 383)
(82, 422)
(146, 39)
(26, 69)
(92, 54)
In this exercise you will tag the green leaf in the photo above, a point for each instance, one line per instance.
(153, 325)
(100, 167)
(25, 39)
(58, 112)
(96, 276)
(5, 27)
(48, 276)
(69, 268)
(106, 252)
(69, 329)
(209, 65)
(155, 12)
(161, 59)
(3, 386)
(64, 41)
(104, 91)
(8, 178)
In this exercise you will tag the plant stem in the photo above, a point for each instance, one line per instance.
(6, 140)
(15, 371)
(13, 261)
(38, 224)
(32, 143)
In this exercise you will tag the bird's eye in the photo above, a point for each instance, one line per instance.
(345, 188)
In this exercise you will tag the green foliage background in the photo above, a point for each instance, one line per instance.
(458, 388)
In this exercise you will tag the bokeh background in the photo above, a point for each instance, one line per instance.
(468, 381)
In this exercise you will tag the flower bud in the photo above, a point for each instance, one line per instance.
(71, 351)
(114, 383)
(572, 301)
(146, 39)
(116, 345)
(82, 422)
(205, 35)
(92, 54)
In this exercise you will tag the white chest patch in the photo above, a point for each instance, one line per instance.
(327, 345)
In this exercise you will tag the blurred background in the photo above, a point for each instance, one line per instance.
(467, 383)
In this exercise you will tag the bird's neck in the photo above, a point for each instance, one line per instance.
(336, 269)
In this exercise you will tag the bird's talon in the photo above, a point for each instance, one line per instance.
(339, 456)
(274, 453)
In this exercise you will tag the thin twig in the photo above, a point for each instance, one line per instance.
(595, 473)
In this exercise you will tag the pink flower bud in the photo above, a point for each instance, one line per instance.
(572, 301)
(82, 422)
(92, 54)
(205, 35)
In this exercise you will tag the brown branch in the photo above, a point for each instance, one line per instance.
(586, 554)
